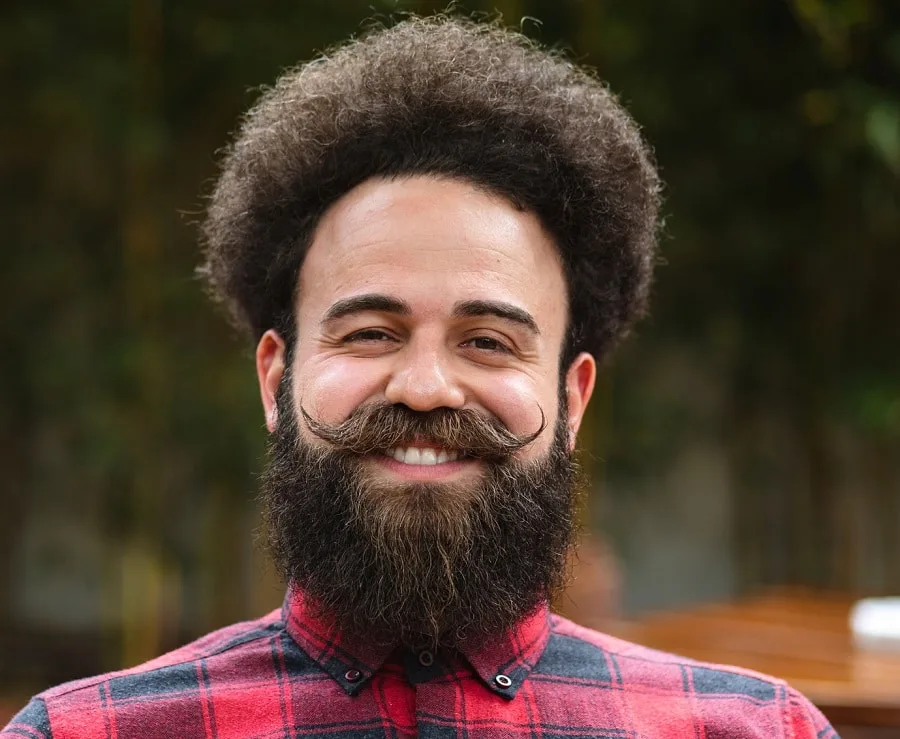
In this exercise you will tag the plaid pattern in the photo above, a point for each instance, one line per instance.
(292, 675)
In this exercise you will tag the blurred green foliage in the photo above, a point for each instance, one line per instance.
(127, 402)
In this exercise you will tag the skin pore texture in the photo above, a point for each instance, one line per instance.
(420, 484)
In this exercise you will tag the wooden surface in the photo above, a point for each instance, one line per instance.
(799, 636)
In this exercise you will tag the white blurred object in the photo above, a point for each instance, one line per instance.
(875, 623)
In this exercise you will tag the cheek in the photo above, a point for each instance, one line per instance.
(331, 390)
(519, 400)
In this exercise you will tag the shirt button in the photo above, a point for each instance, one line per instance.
(351, 676)
(426, 658)
(502, 681)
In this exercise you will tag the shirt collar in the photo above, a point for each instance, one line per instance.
(504, 663)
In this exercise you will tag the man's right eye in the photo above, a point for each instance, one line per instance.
(368, 335)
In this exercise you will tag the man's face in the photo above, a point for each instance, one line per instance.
(420, 481)
(430, 293)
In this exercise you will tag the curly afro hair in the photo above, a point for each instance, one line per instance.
(452, 98)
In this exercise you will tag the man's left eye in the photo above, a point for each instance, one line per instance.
(488, 344)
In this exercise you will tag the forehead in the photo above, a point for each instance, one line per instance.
(432, 242)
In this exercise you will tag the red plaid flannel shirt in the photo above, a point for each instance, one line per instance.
(290, 674)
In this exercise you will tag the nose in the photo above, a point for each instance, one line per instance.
(423, 378)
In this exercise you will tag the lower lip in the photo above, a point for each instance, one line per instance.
(425, 471)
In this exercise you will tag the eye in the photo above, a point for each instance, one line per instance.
(488, 344)
(369, 336)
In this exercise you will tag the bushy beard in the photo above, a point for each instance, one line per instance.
(421, 564)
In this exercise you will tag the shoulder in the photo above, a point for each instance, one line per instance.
(706, 697)
(640, 667)
(32, 722)
(228, 643)
(82, 708)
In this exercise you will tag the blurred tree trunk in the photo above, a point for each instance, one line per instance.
(749, 544)
(814, 522)
(15, 461)
(142, 561)
(884, 484)
(225, 564)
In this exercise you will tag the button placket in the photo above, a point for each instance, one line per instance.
(422, 665)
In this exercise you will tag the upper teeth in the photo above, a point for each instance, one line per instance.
(418, 455)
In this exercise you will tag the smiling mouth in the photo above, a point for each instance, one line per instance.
(423, 456)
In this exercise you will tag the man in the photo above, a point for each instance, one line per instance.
(432, 234)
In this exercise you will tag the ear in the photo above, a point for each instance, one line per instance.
(580, 379)
(270, 354)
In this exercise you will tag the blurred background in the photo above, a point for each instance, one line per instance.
(748, 437)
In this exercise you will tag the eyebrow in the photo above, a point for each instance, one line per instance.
(506, 311)
(466, 309)
(370, 302)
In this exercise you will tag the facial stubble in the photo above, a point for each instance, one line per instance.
(421, 564)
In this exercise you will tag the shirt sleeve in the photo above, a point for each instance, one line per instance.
(32, 722)
(805, 721)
